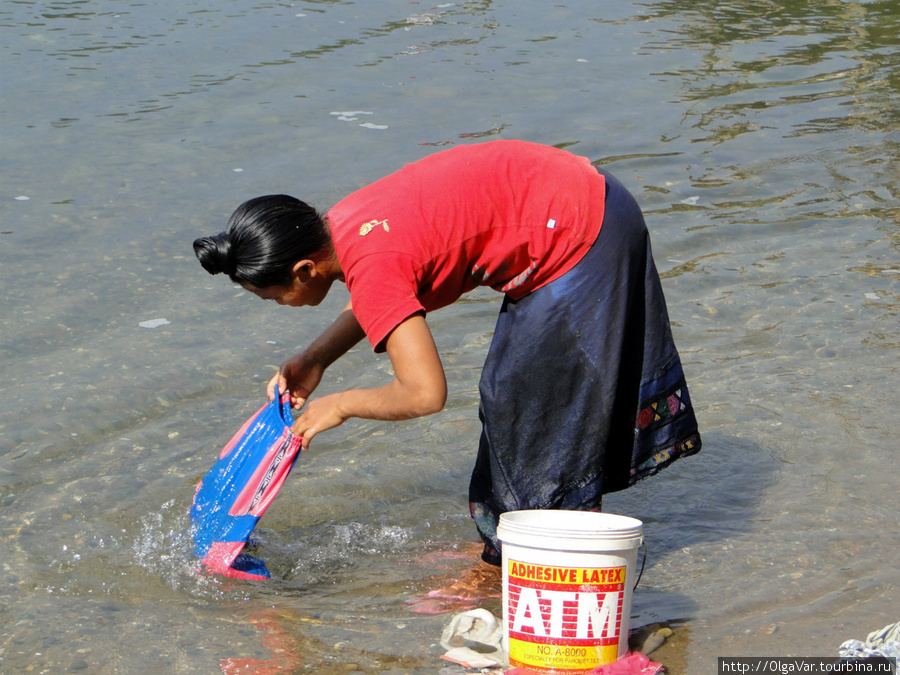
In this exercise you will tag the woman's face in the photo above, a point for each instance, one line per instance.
(308, 287)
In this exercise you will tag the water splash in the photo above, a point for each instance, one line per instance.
(343, 546)
(165, 549)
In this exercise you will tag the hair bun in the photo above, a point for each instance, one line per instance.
(215, 254)
(263, 240)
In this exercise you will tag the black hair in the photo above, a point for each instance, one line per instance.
(263, 240)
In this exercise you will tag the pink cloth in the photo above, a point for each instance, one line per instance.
(633, 663)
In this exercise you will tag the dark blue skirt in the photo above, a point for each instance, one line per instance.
(582, 392)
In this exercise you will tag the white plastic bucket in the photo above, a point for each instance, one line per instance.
(567, 582)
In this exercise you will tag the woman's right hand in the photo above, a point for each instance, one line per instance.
(299, 375)
(302, 373)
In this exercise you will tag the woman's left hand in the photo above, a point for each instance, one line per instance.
(419, 386)
(318, 415)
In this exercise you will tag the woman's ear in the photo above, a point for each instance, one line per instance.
(304, 270)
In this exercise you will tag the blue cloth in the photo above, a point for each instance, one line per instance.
(582, 392)
(238, 489)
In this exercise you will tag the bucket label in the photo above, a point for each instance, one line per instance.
(564, 619)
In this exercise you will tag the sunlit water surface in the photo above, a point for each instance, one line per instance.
(762, 141)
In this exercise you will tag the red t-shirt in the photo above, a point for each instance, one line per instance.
(506, 214)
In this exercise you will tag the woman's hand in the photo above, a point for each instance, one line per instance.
(419, 387)
(299, 375)
(321, 414)
(302, 373)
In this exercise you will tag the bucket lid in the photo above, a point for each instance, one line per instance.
(571, 530)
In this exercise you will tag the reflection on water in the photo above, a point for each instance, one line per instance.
(762, 141)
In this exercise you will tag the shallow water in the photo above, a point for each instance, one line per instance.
(760, 138)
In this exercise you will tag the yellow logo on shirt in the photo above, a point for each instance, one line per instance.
(368, 227)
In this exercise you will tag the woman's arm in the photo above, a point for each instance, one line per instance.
(302, 373)
(419, 386)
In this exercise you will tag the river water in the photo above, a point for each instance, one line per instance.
(762, 140)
